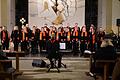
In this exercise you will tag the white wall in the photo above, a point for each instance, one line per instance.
(104, 17)
(115, 14)
(102, 14)
(39, 17)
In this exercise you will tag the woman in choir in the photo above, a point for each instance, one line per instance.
(15, 37)
(59, 35)
(83, 39)
(42, 39)
(92, 39)
(24, 39)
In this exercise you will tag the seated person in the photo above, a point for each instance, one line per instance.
(105, 52)
(52, 47)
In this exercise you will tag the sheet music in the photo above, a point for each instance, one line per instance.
(62, 45)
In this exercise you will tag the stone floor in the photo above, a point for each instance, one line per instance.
(76, 68)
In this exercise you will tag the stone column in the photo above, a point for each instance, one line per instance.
(8, 14)
(105, 14)
(115, 15)
(108, 16)
(101, 13)
(11, 15)
(4, 12)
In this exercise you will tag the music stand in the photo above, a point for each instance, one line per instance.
(62, 46)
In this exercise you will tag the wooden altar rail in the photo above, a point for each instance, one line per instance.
(5, 74)
(17, 55)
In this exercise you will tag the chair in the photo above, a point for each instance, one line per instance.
(54, 65)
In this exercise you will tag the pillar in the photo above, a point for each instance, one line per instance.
(115, 15)
(11, 14)
(4, 11)
(105, 14)
(108, 16)
(8, 14)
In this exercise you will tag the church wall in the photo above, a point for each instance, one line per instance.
(115, 14)
(4, 16)
(102, 14)
(41, 13)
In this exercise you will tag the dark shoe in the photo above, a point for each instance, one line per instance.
(59, 66)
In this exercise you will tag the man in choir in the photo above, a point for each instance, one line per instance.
(52, 31)
(67, 36)
(5, 37)
(83, 39)
(75, 38)
(15, 37)
(92, 38)
(37, 37)
(29, 31)
(100, 37)
(42, 39)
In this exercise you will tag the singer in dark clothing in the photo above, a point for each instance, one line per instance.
(15, 36)
(52, 47)
(5, 37)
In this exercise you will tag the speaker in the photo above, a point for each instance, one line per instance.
(118, 22)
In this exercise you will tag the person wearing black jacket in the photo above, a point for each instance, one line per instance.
(15, 37)
(5, 37)
(52, 48)
(106, 52)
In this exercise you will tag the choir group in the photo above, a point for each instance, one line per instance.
(35, 38)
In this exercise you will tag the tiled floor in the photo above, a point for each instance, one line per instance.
(76, 68)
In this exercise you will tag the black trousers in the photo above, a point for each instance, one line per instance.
(34, 47)
(5, 45)
(75, 47)
(16, 43)
(83, 47)
(92, 47)
(42, 44)
(24, 46)
(68, 45)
